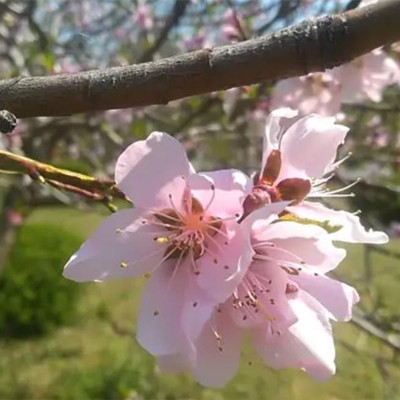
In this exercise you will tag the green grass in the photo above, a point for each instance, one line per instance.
(97, 357)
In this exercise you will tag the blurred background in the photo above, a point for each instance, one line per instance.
(62, 340)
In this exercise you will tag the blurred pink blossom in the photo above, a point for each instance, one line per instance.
(66, 66)
(119, 118)
(14, 217)
(232, 26)
(314, 93)
(367, 76)
(143, 17)
(194, 43)
(395, 228)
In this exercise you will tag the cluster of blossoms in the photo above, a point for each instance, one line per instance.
(228, 255)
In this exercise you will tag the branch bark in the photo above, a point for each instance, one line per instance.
(312, 45)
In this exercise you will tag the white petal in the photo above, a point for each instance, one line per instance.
(337, 297)
(351, 229)
(310, 243)
(278, 121)
(309, 147)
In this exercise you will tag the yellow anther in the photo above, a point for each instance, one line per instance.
(162, 239)
(123, 264)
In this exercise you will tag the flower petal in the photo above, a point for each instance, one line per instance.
(159, 328)
(351, 229)
(277, 122)
(149, 170)
(309, 147)
(310, 243)
(217, 361)
(121, 247)
(337, 297)
(197, 309)
(225, 262)
(308, 344)
(221, 192)
(272, 301)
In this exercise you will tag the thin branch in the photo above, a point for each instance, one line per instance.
(392, 340)
(61, 178)
(312, 45)
(177, 13)
(379, 108)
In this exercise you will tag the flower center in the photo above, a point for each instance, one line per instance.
(189, 232)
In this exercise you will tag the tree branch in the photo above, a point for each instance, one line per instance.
(391, 340)
(95, 189)
(312, 45)
(177, 13)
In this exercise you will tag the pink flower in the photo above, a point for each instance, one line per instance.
(143, 17)
(298, 160)
(232, 27)
(367, 76)
(66, 66)
(285, 300)
(119, 118)
(194, 43)
(14, 217)
(182, 231)
(395, 228)
(313, 93)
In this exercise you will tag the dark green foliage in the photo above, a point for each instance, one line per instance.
(34, 297)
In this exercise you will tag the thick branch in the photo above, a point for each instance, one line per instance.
(313, 45)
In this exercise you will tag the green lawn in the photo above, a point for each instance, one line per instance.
(97, 357)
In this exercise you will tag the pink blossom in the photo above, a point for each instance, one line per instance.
(298, 160)
(143, 17)
(14, 217)
(367, 76)
(378, 139)
(194, 43)
(183, 231)
(232, 27)
(66, 66)
(119, 118)
(314, 93)
(395, 228)
(285, 301)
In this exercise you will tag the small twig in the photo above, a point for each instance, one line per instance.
(359, 320)
(386, 252)
(177, 13)
(372, 107)
(64, 178)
